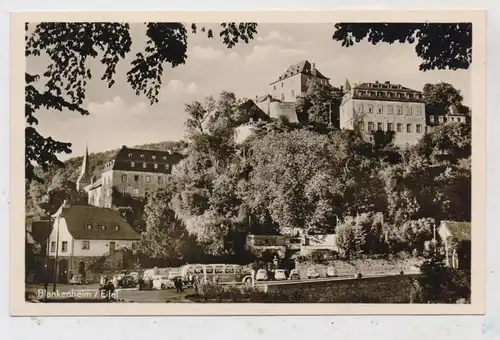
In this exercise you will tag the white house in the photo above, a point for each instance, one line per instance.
(456, 242)
(80, 234)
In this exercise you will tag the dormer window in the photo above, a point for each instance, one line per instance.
(129, 155)
(88, 226)
(154, 157)
(166, 166)
(144, 165)
(142, 156)
(164, 158)
(156, 166)
(132, 164)
(103, 227)
(117, 227)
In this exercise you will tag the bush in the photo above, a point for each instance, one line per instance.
(441, 284)
(322, 256)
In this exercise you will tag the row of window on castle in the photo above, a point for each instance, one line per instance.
(390, 127)
(144, 165)
(147, 178)
(390, 109)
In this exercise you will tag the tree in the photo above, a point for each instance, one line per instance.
(319, 105)
(130, 208)
(440, 45)
(165, 236)
(70, 46)
(439, 97)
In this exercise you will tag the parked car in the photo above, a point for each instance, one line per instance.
(173, 273)
(294, 275)
(261, 275)
(312, 273)
(128, 281)
(279, 274)
(331, 271)
(162, 282)
(135, 275)
(77, 279)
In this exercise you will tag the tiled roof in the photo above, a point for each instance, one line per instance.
(384, 86)
(128, 159)
(304, 67)
(78, 217)
(460, 230)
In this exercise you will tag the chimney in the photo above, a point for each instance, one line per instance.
(124, 146)
(387, 82)
(313, 66)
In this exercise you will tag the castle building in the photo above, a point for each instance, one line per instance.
(454, 114)
(386, 107)
(132, 171)
(85, 177)
(284, 91)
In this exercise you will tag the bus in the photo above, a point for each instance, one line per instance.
(226, 273)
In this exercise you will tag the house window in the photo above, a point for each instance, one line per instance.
(85, 245)
(160, 179)
(370, 109)
(136, 178)
(361, 126)
(459, 119)
(164, 158)
(117, 227)
(166, 166)
(136, 192)
(124, 178)
(408, 110)
(293, 94)
(64, 246)
(419, 128)
(281, 84)
(398, 110)
(441, 119)
(154, 157)
(148, 179)
(380, 126)
(103, 227)
(408, 128)
(282, 96)
(418, 111)
(360, 108)
(156, 166)
(88, 226)
(379, 110)
(144, 165)
(431, 119)
(142, 156)
(390, 127)
(389, 109)
(400, 127)
(52, 247)
(370, 126)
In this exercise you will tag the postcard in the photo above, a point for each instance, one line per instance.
(248, 163)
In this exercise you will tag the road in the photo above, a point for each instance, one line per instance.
(170, 295)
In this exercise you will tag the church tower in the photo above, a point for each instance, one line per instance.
(85, 177)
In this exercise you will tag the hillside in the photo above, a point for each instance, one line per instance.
(69, 173)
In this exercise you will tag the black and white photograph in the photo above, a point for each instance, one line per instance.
(249, 162)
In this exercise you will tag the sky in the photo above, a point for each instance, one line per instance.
(119, 117)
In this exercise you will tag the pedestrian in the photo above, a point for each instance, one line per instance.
(102, 282)
(141, 282)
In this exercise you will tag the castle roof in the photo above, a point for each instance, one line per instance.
(304, 67)
(129, 159)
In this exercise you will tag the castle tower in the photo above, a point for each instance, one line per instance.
(85, 177)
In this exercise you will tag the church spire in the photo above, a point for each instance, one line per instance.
(85, 176)
(347, 86)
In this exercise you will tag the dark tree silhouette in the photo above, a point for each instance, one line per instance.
(71, 45)
(440, 45)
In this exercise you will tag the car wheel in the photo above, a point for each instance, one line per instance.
(162, 286)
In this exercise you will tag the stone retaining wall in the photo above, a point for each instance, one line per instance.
(384, 289)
